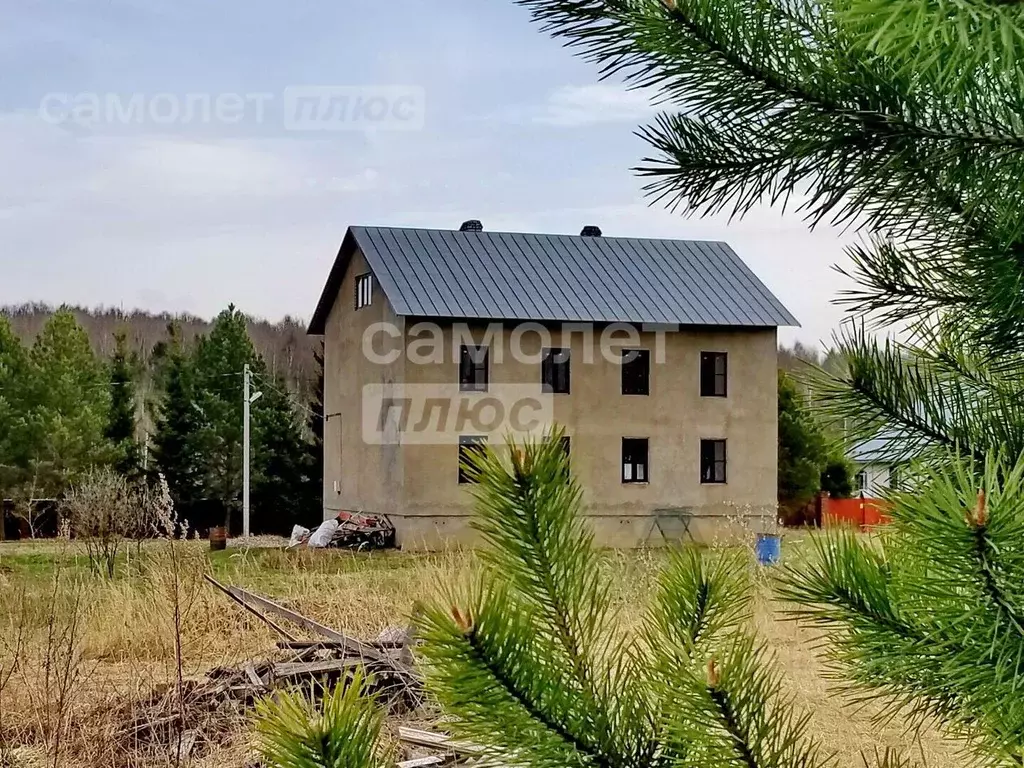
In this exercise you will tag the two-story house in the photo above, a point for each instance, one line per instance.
(657, 357)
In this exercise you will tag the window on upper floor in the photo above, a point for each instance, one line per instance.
(470, 446)
(554, 371)
(634, 460)
(712, 461)
(636, 372)
(364, 290)
(473, 369)
(713, 374)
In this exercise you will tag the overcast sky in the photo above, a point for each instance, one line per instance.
(494, 121)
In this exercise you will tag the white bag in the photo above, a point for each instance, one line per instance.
(298, 534)
(324, 535)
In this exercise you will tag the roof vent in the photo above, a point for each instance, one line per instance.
(591, 231)
(473, 225)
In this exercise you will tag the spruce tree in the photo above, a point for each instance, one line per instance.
(67, 394)
(14, 447)
(282, 468)
(219, 359)
(802, 450)
(316, 421)
(178, 453)
(121, 423)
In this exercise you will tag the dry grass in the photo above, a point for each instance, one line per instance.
(114, 640)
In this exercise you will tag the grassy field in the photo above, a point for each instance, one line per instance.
(84, 644)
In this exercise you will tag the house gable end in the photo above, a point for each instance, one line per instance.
(350, 245)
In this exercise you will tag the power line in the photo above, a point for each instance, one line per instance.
(273, 385)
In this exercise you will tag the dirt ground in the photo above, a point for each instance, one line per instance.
(74, 646)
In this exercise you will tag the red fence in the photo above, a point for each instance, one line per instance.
(862, 513)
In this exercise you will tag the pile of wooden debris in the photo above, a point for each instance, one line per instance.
(195, 717)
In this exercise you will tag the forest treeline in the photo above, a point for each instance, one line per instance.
(71, 401)
(284, 346)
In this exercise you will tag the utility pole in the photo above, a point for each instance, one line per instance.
(245, 450)
(248, 398)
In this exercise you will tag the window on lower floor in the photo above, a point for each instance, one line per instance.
(567, 450)
(862, 481)
(470, 446)
(712, 461)
(635, 460)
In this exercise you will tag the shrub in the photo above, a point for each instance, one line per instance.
(103, 510)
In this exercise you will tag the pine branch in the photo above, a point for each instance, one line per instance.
(539, 541)
(931, 619)
(344, 732)
(733, 727)
(921, 404)
(553, 591)
(950, 41)
(721, 702)
(589, 750)
(480, 664)
(777, 96)
(700, 600)
(502, 665)
(984, 552)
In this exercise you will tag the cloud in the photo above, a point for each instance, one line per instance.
(576, 105)
(191, 223)
(573, 106)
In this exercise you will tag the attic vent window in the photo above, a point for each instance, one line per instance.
(473, 225)
(364, 290)
(591, 231)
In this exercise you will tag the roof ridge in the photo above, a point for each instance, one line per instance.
(539, 234)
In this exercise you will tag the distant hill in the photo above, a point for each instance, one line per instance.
(284, 345)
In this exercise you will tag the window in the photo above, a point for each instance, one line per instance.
(554, 371)
(473, 369)
(469, 445)
(894, 477)
(636, 372)
(713, 374)
(634, 460)
(364, 290)
(712, 461)
(862, 481)
(566, 449)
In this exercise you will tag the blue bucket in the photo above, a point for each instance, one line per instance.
(769, 548)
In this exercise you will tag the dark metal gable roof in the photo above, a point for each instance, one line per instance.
(569, 278)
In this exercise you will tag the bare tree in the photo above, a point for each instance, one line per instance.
(105, 510)
(26, 502)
